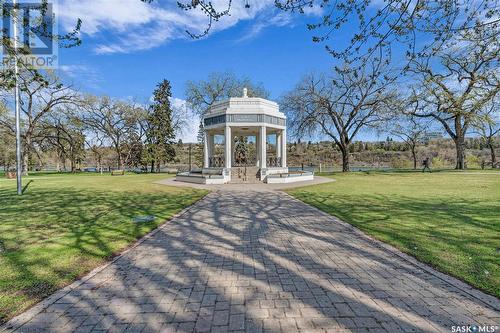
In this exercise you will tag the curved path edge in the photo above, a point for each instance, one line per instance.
(26, 316)
(487, 299)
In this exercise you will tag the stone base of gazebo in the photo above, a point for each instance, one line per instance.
(218, 176)
(209, 176)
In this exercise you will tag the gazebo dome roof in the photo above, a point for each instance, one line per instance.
(245, 105)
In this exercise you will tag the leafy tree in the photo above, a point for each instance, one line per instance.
(160, 134)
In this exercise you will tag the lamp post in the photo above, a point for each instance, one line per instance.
(16, 103)
(190, 149)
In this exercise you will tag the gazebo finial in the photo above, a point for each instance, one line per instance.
(245, 92)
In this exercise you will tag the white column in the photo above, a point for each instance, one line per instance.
(205, 150)
(257, 150)
(263, 143)
(278, 144)
(227, 146)
(232, 153)
(283, 148)
(211, 146)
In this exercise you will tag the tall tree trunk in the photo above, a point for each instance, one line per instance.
(152, 166)
(72, 160)
(493, 156)
(99, 164)
(119, 162)
(414, 155)
(460, 149)
(459, 143)
(345, 159)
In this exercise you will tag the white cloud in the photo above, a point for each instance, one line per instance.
(278, 19)
(274, 17)
(81, 73)
(131, 25)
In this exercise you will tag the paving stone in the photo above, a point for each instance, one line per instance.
(203, 324)
(237, 322)
(221, 318)
(259, 261)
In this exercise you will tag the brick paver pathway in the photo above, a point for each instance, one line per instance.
(253, 261)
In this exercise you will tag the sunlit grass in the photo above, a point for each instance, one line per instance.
(450, 220)
(66, 225)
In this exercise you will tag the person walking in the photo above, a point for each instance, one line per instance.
(426, 163)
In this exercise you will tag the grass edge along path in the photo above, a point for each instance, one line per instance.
(65, 226)
(447, 220)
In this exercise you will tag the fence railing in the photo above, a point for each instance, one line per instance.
(216, 161)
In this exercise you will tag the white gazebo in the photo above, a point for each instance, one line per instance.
(244, 141)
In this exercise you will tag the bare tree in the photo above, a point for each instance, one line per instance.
(355, 98)
(488, 127)
(64, 132)
(219, 86)
(117, 121)
(40, 96)
(7, 141)
(456, 82)
(412, 131)
(95, 143)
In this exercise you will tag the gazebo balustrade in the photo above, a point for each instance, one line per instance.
(274, 162)
(216, 161)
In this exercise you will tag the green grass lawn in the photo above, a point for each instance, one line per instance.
(65, 225)
(450, 220)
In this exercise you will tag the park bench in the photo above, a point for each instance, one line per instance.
(117, 172)
(10, 175)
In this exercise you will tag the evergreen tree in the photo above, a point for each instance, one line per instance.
(160, 132)
(201, 134)
(198, 152)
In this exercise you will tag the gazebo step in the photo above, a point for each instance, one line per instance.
(244, 175)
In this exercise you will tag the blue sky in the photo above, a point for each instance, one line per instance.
(128, 47)
(277, 56)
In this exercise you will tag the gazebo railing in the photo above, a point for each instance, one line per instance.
(273, 162)
(216, 161)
